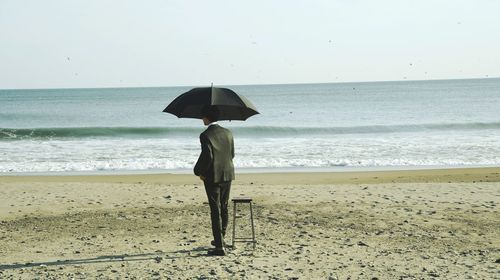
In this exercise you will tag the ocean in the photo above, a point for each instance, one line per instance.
(449, 123)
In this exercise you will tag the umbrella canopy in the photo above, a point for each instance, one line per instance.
(231, 105)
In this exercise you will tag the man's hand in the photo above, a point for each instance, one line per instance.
(202, 178)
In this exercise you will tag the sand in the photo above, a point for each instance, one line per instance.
(421, 224)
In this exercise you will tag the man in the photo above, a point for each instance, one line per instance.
(215, 168)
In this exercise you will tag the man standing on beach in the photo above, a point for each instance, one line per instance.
(215, 168)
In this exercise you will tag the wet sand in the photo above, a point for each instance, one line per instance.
(422, 224)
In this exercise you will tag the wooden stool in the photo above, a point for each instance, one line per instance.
(248, 200)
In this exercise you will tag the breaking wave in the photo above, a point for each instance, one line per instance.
(250, 131)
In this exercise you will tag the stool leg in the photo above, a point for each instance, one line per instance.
(234, 224)
(253, 230)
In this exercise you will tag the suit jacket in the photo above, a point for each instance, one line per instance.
(217, 152)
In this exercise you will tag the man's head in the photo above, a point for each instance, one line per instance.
(210, 114)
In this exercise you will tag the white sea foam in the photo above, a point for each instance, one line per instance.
(181, 153)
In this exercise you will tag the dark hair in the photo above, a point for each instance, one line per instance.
(212, 113)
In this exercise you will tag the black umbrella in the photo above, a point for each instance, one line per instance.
(231, 105)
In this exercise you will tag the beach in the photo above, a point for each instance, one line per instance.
(361, 141)
(394, 224)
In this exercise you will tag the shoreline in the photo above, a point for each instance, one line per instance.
(252, 170)
(306, 177)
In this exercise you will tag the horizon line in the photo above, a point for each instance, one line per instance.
(267, 84)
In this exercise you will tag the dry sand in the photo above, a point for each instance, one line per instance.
(420, 224)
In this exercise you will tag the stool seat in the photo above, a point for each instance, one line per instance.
(242, 199)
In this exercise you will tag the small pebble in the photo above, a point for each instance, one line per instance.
(361, 243)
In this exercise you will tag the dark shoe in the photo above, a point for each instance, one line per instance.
(216, 252)
(213, 243)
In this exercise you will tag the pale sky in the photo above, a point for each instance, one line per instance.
(104, 43)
